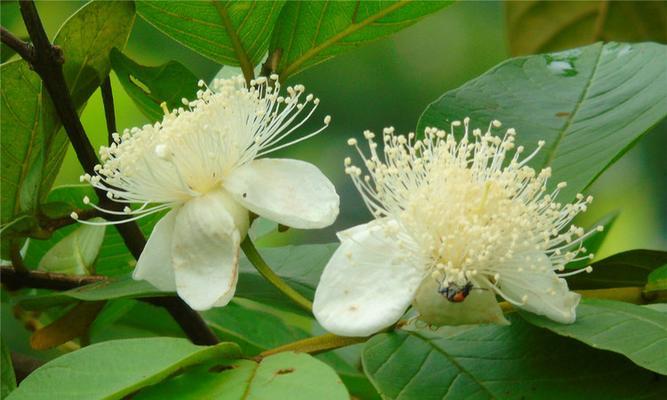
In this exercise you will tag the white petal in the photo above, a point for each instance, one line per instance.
(479, 307)
(368, 283)
(205, 251)
(290, 192)
(543, 291)
(154, 264)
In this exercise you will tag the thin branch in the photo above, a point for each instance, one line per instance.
(47, 63)
(263, 268)
(246, 66)
(45, 280)
(24, 365)
(109, 111)
(316, 344)
(24, 49)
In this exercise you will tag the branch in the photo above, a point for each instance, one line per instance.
(246, 66)
(316, 344)
(25, 50)
(47, 63)
(109, 112)
(45, 280)
(263, 268)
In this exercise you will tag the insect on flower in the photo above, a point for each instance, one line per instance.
(203, 165)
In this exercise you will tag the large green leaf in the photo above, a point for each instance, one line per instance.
(149, 87)
(7, 376)
(538, 26)
(114, 369)
(501, 362)
(32, 145)
(281, 376)
(310, 32)
(199, 26)
(637, 332)
(589, 104)
(630, 268)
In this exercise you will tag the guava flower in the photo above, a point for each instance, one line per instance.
(453, 221)
(201, 163)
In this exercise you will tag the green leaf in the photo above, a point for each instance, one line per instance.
(253, 330)
(493, 362)
(637, 332)
(114, 369)
(117, 288)
(7, 376)
(291, 376)
(32, 144)
(311, 32)
(149, 87)
(76, 253)
(198, 26)
(538, 26)
(657, 280)
(589, 104)
(630, 268)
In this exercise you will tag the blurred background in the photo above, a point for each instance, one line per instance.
(389, 83)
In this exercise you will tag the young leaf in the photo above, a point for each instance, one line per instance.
(72, 325)
(7, 376)
(539, 26)
(76, 253)
(494, 362)
(32, 146)
(116, 368)
(637, 332)
(199, 26)
(657, 280)
(291, 376)
(589, 104)
(630, 268)
(149, 87)
(311, 32)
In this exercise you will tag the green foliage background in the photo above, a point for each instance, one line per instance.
(390, 82)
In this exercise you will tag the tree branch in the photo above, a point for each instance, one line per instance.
(25, 50)
(246, 66)
(109, 111)
(47, 63)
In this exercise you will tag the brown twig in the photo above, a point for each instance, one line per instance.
(45, 280)
(47, 62)
(24, 49)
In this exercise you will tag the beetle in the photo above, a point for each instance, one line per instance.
(454, 292)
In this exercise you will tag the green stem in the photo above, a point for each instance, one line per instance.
(263, 268)
(316, 344)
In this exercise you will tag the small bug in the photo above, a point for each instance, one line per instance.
(455, 293)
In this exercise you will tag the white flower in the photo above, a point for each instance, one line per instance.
(201, 163)
(451, 219)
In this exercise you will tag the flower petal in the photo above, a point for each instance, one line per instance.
(290, 192)
(534, 281)
(368, 283)
(154, 264)
(479, 307)
(205, 251)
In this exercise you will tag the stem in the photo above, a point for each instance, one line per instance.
(316, 344)
(45, 280)
(263, 268)
(244, 61)
(47, 63)
(17, 260)
(109, 112)
(22, 48)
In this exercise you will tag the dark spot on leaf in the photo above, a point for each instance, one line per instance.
(219, 368)
(244, 195)
(563, 114)
(285, 371)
